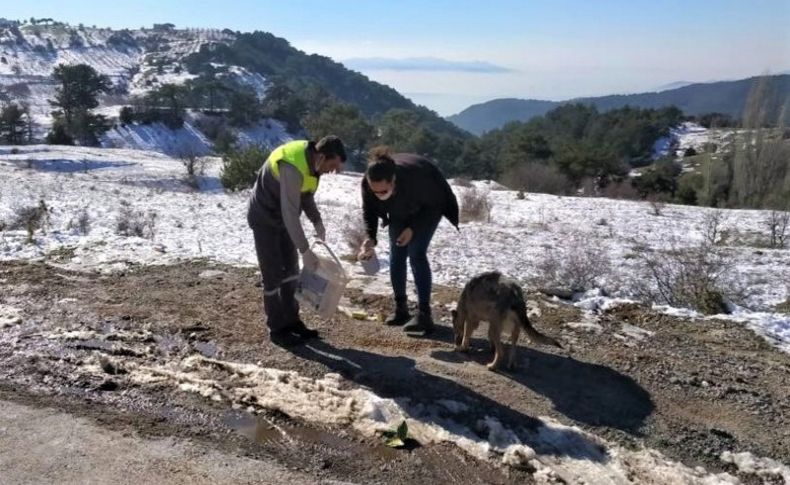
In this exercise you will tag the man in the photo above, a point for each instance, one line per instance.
(411, 195)
(285, 187)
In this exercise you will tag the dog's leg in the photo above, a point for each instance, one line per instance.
(514, 333)
(494, 336)
(469, 328)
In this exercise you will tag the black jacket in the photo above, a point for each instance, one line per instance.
(422, 195)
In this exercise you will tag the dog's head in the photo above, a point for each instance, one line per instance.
(458, 327)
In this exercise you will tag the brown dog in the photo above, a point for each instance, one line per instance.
(500, 302)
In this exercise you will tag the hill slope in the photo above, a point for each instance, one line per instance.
(727, 97)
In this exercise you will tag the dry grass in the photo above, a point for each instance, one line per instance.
(475, 206)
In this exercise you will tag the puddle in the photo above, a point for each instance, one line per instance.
(263, 431)
(207, 349)
(169, 344)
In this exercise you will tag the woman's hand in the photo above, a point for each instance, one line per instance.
(405, 237)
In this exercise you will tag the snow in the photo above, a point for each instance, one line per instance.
(765, 468)
(553, 450)
(686, 135)
(9, 316)
(158, 137)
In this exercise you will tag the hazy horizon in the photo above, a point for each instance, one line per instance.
(449, 55)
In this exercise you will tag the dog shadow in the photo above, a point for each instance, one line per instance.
(588, 393)
(421, 395)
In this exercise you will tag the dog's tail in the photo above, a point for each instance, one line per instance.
(520, 309)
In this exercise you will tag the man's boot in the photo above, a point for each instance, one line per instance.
(401, 315)
(279, 334)
(423, 322)
(291, 311)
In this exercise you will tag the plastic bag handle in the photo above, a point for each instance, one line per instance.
(331, 253)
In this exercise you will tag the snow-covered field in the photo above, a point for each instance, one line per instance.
(211, 224)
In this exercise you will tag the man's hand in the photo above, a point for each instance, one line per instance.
(366, 251)
(405, 237)
(320, 231)
(310, 260)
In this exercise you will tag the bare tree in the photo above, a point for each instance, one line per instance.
(777, 222)
(712, 222)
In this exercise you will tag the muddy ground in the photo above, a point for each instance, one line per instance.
(689, 388)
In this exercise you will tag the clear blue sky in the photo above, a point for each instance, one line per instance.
(551, 49)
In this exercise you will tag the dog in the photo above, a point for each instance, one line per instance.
(499, 301)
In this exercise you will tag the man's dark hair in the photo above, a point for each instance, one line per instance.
(381, 166)
(331, 147)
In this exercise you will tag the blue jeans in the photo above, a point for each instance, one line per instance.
(417, 253)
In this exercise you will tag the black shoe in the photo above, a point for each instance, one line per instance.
(400, 318)
(421, 323)
(284, 338)
(300, 329)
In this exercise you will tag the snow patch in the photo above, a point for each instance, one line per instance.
(554, 451)
(9, 316)
(748, 464)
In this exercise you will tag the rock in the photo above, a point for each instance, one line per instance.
(108, 366)
(212, 274)
(108, 385)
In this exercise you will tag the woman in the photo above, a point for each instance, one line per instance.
(410, 194)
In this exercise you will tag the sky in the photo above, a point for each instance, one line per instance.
(450, 54)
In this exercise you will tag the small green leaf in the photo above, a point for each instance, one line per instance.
(395, 443)
(403, 431)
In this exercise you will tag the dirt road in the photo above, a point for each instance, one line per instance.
(689, 389)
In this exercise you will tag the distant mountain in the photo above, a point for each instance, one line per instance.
(674, 85)
(727, 97)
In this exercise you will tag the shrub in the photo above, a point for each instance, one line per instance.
(462, 182)
(240, 168)
(131, 222)
(126, 116)
(778, 223)
(657, 204)
(577, 267)
(195, 167)
(620, 190)
(31, 218)
(59, 135)
(537, 178)
(475, 206)
(712, 230)
(82, 223)
(701, 277)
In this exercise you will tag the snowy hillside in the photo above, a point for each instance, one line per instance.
(136, 61)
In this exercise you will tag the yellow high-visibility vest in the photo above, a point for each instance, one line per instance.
(294, 152)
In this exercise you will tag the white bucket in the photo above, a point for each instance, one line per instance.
(371, 265)
(321, 290)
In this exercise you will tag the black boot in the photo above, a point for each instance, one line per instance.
(284, 338)
(423, 322)
(300, 329)
(401, 315)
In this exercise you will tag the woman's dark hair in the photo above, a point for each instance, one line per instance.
(331, 147)
(381, 166)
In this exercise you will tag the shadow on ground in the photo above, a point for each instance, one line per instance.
(419, 392)
(588, 393)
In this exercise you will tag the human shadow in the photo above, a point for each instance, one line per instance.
(588, 393)
(443, 402)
